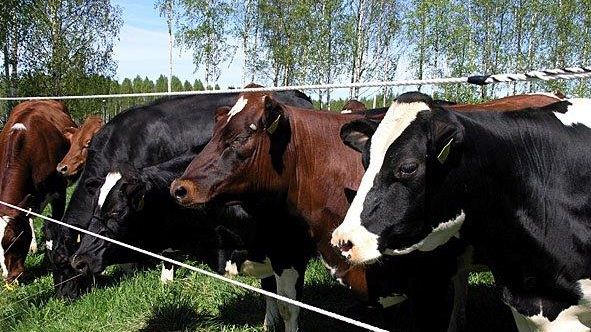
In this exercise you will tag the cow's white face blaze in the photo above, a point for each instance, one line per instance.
(363, 244)
(110, 181)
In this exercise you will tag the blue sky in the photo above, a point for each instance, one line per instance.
(143, 48)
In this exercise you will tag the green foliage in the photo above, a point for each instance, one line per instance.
(176, 84)
(187, 86)
(198, 86)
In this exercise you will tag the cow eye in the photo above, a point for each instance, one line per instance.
(408, 168)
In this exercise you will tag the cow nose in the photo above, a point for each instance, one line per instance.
(180, 192)
(62, 168)
(345, 246)
(80, 263)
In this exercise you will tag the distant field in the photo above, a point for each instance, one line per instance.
(193, 302)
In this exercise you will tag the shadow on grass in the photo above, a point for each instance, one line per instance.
(485, 312)
(172, 318)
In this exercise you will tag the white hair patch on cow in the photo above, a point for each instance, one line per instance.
(167, 275)
(286, 286)
(33, 246)
(576, 318)
(110, 181)
(3, 223)
(18, 126)
(365, 243)
(239, 106)
(578, 113)
(440, 235)
(231, 269)
(346, 112)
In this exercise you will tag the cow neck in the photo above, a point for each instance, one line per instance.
(14, 173)
(506, 189)
(324, 167)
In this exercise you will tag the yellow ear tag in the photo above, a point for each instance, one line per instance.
(442, 156)
(78, 239)
(274, 125)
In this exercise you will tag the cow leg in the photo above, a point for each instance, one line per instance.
(167, 275)
(272, 315)
(33, 245)
(457, 321)
(290, 283)
(58, 206)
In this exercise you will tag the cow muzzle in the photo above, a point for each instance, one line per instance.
(62, 169)
(85, 265)
(185, 193)
(356, 244)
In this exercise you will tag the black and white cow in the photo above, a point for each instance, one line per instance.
(134, 207)
(515, 185)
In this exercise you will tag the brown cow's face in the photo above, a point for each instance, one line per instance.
(79, 142)
(14, 246)
(246, 148)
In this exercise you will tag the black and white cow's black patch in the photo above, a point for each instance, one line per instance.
(515, 185)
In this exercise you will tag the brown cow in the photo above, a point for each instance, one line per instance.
(31, 145)
(511, 103)
(79, 139)
(262, 147)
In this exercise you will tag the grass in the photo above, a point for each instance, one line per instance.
(137, 301)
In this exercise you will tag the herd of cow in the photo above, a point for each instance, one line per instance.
(400, 203)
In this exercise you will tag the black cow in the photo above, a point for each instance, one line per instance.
(515, 185)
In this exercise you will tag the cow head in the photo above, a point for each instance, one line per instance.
(60, 243)
(79, 139)
(15, 239)
(120, 203)
(352, 106)
(247, 149)
(410, 151)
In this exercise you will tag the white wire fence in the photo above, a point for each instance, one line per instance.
(545, 75)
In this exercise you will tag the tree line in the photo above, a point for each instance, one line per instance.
(65, 47)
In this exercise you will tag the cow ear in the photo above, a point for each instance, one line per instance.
(69, 133)
(274, 115)
(221, 112)
(276, 125)
(355, 134)
(448, 135)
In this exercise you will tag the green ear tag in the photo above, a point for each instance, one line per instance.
(274, 125)
(442, 156)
